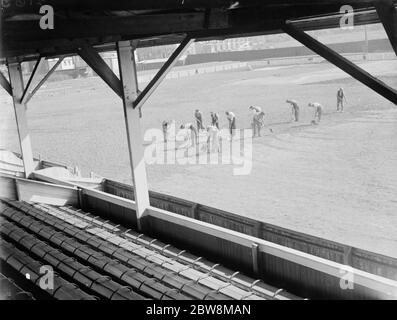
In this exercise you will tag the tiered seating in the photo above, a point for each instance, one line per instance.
(10, 291)
(106, 261)
(19, 262)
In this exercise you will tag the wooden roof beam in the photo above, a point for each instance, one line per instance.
(123, 5)
(387, 13)
(133, 27)
(162, 73)
(341, 62)
(95, 61)
(32, 79)
(29, 94)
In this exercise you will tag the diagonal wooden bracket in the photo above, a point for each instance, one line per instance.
(341, 62)
(33, 77)
(5, 83)
(95, 61)
(387, 13)
(29, 94)
(162, 73)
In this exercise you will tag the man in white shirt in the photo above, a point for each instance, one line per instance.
(213, 139)
(295, 110)
(165, 127)
(191, 130)
(199, 120)
(340, 99)
(257, 120)
(255, 109)
(232, 122)
(168, 128)
(318, 111)
(215, 119)
(259, 123)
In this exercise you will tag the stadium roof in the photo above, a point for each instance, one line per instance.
(101, 23)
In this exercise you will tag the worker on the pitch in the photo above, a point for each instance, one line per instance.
(167, 126)
(295, 109)
(215, 119)
(318, 111)
(191, 132)
(232, 122)
(255, 109)
(199, 120)
(259, 123)
(257, 120)
(340, 99)
(213, 144)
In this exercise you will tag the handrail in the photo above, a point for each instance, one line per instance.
(332, 268)
(125, 203)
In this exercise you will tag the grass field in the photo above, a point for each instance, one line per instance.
(337, 180)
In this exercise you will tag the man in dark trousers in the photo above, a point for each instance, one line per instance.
(340, 99)
(232, 122)
(295, 109)
(215, 119)
(165, 126)
(191, 133)
(199, 120)
(318, 111)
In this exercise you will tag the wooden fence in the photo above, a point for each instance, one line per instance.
(357, 258)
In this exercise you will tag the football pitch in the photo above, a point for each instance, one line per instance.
(337, 180)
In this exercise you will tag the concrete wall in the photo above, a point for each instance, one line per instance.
(355, 57)
(378, 45)
(195, 70)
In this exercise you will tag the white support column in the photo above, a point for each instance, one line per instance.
(128, 75)
(16, 81)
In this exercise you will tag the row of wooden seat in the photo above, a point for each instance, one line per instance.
(85, 277)
(199, 265)
(19, 262)
(107, 261)
(136, 272)
(9, 290)
(93, 258)
(184, 277)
